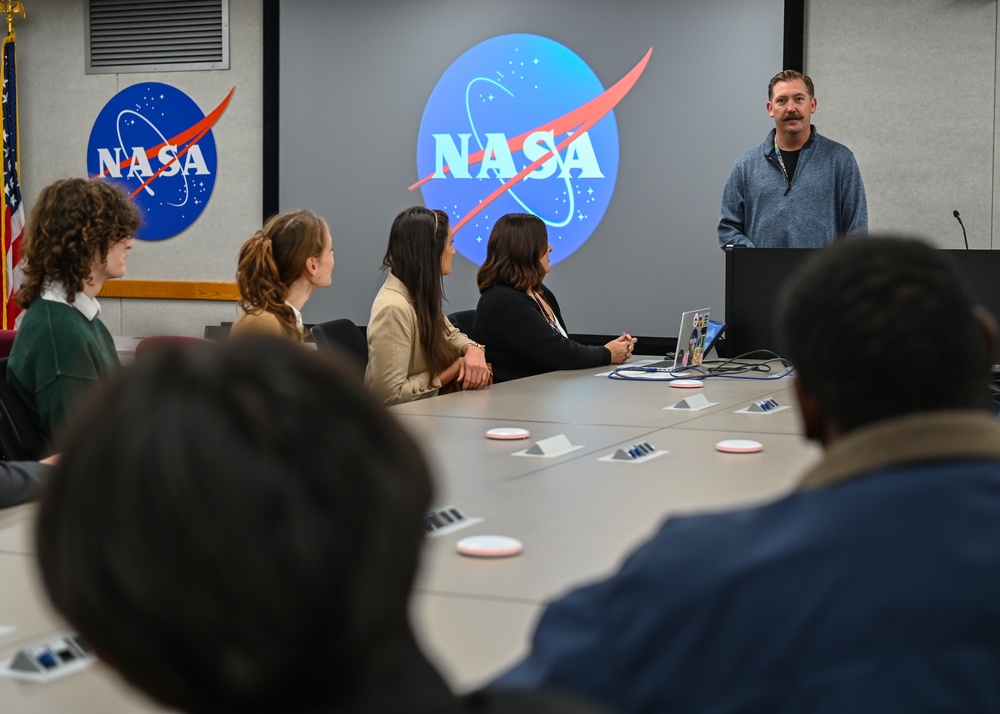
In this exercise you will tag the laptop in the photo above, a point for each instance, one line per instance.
(695, 339)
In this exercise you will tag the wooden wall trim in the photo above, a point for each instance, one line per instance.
(170, 290)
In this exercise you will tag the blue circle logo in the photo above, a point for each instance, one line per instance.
(157, 144)
(519, 124)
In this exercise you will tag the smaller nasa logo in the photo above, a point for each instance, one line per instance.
(157, 144)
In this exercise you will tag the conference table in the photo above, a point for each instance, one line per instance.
(577, 516)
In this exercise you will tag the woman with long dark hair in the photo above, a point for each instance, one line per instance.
(413, 350)
(519, 318)
(279, 267)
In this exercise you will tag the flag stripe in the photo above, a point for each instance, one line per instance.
(13, 211)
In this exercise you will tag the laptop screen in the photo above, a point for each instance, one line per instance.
(715, 330)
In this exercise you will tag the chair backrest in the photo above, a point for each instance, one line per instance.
(21, 439)
(7, 342)
(464, 320)
(218, 332)
(154, 342)
(345, 337)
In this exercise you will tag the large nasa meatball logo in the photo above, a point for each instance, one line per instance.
(521, 124)
(154, 141)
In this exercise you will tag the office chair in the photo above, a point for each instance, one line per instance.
(344, 337)
(6, 342)
(464, 320)
(154, 342)
(21, 439)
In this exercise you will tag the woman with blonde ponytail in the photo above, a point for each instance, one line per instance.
(279, 267)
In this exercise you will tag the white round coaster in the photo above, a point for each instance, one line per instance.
(739, 446)
(508, 432)
(489, 546)
(686, 383)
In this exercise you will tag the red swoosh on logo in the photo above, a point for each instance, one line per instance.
(578, 121)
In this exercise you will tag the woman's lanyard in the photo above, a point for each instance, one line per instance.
(547, 313)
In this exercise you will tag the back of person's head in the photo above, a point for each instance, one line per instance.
(275, 257)
(73, 221)
(883, 327)
(236, 527)
(417, 241)
(790, 75)
(514, 252)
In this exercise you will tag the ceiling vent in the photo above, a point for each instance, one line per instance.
(156, 35)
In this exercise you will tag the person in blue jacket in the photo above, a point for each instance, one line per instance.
(798, 189)
(872, 587)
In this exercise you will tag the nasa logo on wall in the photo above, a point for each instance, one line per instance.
(520, 124)
(157, 144)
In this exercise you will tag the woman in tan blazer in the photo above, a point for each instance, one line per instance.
(413, 350)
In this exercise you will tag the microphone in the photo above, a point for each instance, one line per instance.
(964, 237)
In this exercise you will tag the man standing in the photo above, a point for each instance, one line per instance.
(873, 587)
(798, 189)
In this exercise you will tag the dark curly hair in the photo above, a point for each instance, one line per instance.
(216, 501)
(73, 221)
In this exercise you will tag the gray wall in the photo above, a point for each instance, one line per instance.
(909, 85)
(58, 106)
(367, 70)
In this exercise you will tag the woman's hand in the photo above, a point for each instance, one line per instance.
(450, 373)
(473, 372)
(621, 348)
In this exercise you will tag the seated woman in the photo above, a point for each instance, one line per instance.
(413, 350)
(518, 318)
(77, 237)
(279, 267)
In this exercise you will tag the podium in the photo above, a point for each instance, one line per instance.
(755, 277)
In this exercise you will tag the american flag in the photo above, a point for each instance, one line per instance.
(13, 211)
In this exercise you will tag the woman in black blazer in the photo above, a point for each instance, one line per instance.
(518, 318)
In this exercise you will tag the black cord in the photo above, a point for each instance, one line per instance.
(733, 368)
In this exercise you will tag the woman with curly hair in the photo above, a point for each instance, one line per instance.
(278, 269)
(413, 350)
(77, 237)
(519, 318)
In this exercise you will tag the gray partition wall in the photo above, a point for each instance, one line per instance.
(355, 79)
(911, 87)
(58, 106)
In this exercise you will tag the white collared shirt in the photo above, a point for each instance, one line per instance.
(298, 315)
(85, 305)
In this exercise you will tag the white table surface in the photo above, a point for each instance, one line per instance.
(578, 517)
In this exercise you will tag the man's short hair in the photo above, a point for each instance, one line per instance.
(883, 327)
(790, 75)
(236, 527)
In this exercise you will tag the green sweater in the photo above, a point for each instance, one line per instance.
(58, 357)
